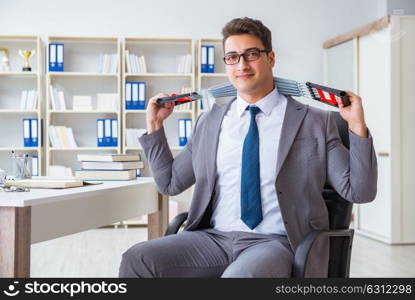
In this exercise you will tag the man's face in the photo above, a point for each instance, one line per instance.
(249, 77)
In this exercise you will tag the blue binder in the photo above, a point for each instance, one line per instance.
(100, 132)
(107, 133)
(135, 95)
(56, 57)
(34, 132)
(114, 132)
(211, 59)
(27, 140)
(35, 165)
(128, 94)
(204, 60)
(141, 95)
(182, 132)
(188, 124)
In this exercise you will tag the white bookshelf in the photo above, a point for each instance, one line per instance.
(161, 76)
(81, 77)
(12, 83)
(205, 80)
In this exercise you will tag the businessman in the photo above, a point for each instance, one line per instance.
(259, 164)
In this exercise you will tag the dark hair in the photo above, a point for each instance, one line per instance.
(247, 26)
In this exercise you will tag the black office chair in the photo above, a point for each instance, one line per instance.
(341, 237)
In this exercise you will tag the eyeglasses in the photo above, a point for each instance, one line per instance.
(251, 54)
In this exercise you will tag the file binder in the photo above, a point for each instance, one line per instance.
(107, 132)
(188, 128)
(34, 130)
(56, 57)
(114, 132)
(135, 95)
(204, 59)
(27, 141)
(35, 165)
(128, 95)
(182, 132)
(59, 57)
(100, 132)
(211, 59)
(52, 57)
(142, 95)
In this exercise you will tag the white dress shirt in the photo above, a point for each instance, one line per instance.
(227, 206)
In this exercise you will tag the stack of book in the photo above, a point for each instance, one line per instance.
(109, 167)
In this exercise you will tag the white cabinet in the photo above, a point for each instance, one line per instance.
(384, 75)
(13, 83)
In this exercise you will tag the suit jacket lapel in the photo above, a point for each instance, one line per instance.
(211, 140)
(294, 115)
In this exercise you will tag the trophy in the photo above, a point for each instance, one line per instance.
(26, 54)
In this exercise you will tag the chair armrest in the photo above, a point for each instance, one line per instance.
(303, 250)
(175, 224)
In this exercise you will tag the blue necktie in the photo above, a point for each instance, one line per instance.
(251, 208)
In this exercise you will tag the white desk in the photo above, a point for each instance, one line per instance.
(43, 214)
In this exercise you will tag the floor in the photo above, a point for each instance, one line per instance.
(97, 253)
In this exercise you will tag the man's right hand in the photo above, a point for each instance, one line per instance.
(156, 114)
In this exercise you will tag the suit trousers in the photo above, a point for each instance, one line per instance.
(210, 253)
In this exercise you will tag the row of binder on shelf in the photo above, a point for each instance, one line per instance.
(134, 63)
(208, 59)
(31, 132)
(107, 132)
(56, 63)
(28, 100)
(135, 95)
(61, 137)
(185, 130)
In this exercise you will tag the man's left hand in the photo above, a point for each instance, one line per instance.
(353, 114)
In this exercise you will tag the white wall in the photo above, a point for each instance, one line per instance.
(299, 27)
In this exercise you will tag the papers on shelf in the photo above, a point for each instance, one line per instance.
(108, 63)
(134, 63)
(28, 100)
(61, 137)
(184, 64)
(132, 135)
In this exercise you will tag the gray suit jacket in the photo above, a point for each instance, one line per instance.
(310, 154)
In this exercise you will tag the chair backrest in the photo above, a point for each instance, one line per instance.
(340, 210)
(340, 213)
